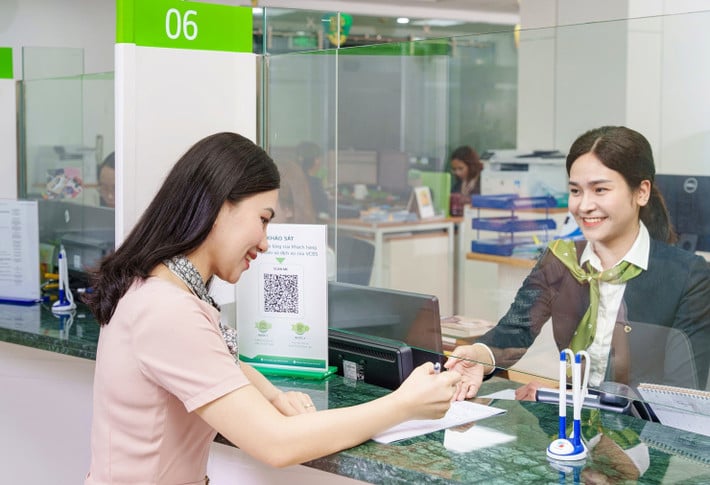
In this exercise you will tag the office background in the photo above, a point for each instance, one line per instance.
(573, 67)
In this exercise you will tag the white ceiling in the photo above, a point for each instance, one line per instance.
(503, 12)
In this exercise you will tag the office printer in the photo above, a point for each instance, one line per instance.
(528, 174)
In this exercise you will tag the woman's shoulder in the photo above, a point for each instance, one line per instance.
(162, 296)
(674, 256)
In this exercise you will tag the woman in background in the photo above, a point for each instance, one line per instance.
(466, 167)
(107, 181)
(167, 378)
(602, 293)
(309, 157)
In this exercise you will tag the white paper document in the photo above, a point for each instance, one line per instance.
(474, 438)
(460, 412)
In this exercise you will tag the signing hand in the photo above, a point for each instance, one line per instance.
(428, 395)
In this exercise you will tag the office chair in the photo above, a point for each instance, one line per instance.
(354, 259)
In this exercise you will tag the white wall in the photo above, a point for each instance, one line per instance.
(86, 24)
(49, 23)
(8, 136)
(647, 73)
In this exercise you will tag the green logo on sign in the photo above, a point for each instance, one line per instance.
(300, 328)
(263, 326)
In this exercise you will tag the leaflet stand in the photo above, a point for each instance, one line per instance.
(572, 448)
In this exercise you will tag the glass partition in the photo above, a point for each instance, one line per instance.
(385, 119)
(66, 141)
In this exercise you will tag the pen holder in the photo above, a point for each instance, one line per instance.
(571, 448)
(65, 303)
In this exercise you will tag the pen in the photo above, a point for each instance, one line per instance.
(437, 367)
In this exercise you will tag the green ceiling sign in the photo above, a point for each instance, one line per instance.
(184, 25)
(6, 63)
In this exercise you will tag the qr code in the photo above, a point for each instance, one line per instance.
(281, 293)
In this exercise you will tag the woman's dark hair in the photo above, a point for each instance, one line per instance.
(225, 167)
(628, 152)
(109, 161)
(470, 157)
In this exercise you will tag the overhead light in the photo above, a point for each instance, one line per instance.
(402, 20)
(438, 22)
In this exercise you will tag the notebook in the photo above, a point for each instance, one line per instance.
(678, 407)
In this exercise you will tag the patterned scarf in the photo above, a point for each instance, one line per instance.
(186, 271)
(566, 251)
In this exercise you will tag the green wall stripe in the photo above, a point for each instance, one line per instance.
(6, 63)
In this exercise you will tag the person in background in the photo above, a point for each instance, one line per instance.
(466, 167)
(599, 292)
(107, 181)
(308, 155)
(295, 206)
(167, 376)
(295, 201)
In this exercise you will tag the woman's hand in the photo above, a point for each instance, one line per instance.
(466, 361)
(291, 403)
(528, 392)
(428, 394)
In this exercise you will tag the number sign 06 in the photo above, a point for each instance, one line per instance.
(177, 24)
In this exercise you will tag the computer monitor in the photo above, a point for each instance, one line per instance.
(410, 318)
(687, 202)
(393, 172)
(86, 232)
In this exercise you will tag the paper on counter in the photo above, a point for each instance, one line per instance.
(460, 412)
(474, 438)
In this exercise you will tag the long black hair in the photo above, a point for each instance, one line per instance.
(224, 167)
(628, 152)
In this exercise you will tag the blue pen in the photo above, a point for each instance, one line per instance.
(66, 299)
(562, 434)
(60, 264)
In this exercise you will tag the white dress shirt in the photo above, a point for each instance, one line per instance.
(610, 298)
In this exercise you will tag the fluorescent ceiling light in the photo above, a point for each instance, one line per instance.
(438, 22)
(402, 20)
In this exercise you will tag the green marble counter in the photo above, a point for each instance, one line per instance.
(626, 450)
(36, 326)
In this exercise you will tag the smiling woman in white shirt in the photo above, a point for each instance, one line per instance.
(623, 282)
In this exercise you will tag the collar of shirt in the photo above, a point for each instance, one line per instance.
(637, 254)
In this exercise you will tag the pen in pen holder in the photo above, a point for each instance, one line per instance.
(65, 303)
(571, 448)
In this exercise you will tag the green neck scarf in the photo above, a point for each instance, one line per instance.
(566, 251)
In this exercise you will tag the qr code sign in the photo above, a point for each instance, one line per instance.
(281, 293)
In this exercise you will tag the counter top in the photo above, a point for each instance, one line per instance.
(36, 326)
(507, 448)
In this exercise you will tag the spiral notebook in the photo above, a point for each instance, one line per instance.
(678, 444)
(687, 409)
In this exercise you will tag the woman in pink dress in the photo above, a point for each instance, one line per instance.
(167, 377)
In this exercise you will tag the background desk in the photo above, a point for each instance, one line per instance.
(51, 433)
(415, 256)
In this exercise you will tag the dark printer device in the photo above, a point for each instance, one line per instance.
(379, 361)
